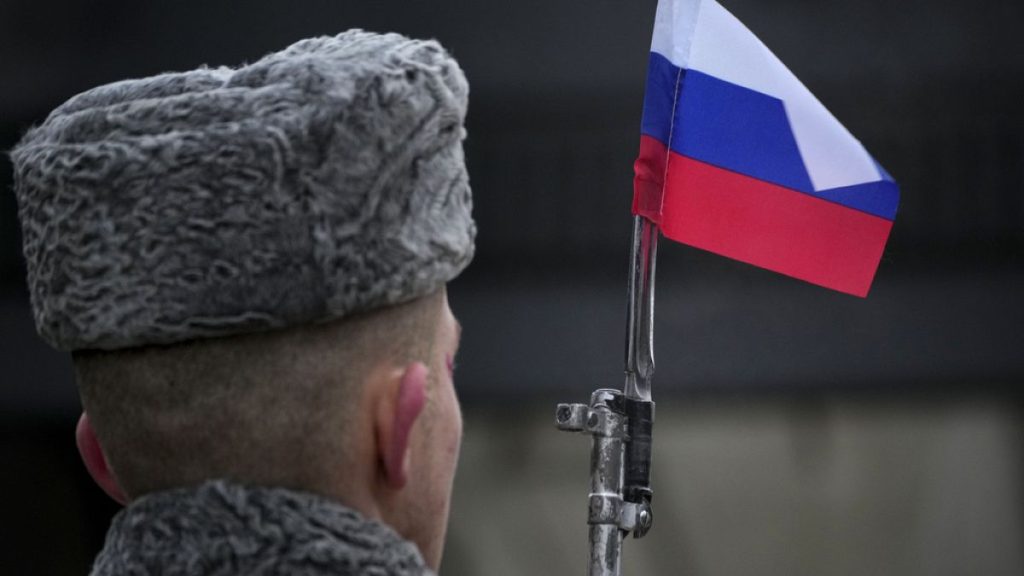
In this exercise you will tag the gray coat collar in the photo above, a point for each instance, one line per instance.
(225, 529)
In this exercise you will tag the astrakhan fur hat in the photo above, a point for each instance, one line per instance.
(320, 181)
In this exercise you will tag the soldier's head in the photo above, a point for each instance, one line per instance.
(249, 267)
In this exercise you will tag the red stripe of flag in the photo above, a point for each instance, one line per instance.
(649, 178)
(770, 226)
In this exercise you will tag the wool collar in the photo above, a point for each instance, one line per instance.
(222, 529)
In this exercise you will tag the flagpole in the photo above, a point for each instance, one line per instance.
(620, 422)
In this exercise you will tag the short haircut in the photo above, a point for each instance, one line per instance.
(266, 408)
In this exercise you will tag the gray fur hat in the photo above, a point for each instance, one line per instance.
(320, 181)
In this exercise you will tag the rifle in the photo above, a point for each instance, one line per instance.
(620, 423)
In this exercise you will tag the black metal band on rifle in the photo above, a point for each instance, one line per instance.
(637, 481)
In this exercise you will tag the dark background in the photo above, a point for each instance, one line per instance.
(932, 88)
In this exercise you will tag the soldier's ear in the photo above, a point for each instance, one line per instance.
(95, 461)
(396, 415)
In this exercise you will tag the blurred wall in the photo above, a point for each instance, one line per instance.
(921, 376)
(759, 486)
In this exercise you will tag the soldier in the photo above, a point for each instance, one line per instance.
(248, 267)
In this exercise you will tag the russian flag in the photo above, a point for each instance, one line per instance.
(737, 157)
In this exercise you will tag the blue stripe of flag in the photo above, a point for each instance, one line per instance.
(744, 131)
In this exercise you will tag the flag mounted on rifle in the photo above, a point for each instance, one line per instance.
(737, 157)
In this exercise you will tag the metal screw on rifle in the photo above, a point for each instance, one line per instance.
(644, 520)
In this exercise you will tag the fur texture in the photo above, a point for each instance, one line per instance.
(222, 529)
(320, 181)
